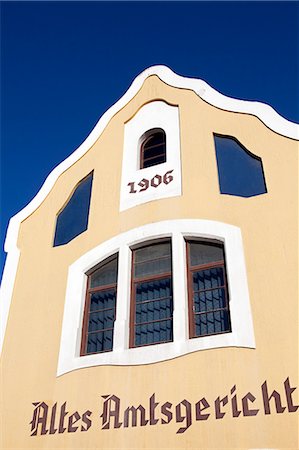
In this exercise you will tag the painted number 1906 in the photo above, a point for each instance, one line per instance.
(154, 182)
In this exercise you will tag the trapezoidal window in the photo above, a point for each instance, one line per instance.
(100, 308)
(152, 148)
(240, 172)
(72, 220)
(207, 289)
(151, 299)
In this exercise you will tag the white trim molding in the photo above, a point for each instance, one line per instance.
(262, 111)
(242, 334)
(156, 114)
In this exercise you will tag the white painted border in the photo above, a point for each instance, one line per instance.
(264, 112)
(242, 334)
(156, 114)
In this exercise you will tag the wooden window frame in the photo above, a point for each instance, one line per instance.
(135, 280)
(87, 312)
(196, 268)
(146, 137)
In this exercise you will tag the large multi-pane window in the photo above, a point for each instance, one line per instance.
(100, 308)
(207, 289)
(153, 148)
(151, 299)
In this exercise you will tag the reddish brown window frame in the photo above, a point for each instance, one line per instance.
(89, 292)
(144, 140)
(135, 280)
(190, 270)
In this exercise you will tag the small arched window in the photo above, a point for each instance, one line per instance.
(152, 148)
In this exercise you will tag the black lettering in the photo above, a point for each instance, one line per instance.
(218, 401)
(63, 413)
(72, 420)
(166, 411)
(110, 409)
(199, 409)
(245, 407)
(133, 411)
(153, 406)
(266, 399)
(86, 420)
(289, 391)
(40, 415)
(181, 418)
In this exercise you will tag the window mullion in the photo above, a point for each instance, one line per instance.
(180, 306)
(121, 324)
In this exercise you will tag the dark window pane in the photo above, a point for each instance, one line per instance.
(159, 159)
(205, 253)
(102, 300)
(73, 219)
(100, 312)
(154, 332)
(104, 275)
(208, 279)
(209, 300)
(100, 342)
(149, 290)
(100, 320)
(240, 172)
(153, 148)
(150, 311)
(212, 323)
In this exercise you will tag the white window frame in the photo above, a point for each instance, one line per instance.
(242, 334)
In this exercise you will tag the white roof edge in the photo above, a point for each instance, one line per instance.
(263, 111)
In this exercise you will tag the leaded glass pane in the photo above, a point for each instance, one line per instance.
(104, 275)
(208, 278)
(153, 304)
(100, 342)
(100, 320)
(156, 310)
(205, 253)
(212, 323)
(152, 260)
(102, 300)
(154, 332)
(209, 300)
(149, 290)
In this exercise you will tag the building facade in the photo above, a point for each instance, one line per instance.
(150, 295)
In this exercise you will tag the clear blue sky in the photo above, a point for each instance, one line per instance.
(63, 64)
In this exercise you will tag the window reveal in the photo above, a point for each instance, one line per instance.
(207, 289)
(100, 308)
(151, 299)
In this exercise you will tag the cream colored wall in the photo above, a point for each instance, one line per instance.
(269, 228)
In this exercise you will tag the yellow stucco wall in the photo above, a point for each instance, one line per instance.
(269, 230)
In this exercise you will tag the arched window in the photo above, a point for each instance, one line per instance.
(152, 148)
(100, 308)
(207, 289)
